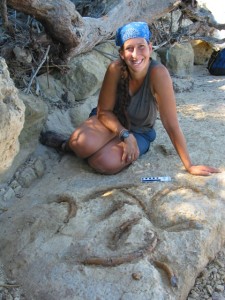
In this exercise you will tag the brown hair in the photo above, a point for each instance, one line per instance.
(123, 97)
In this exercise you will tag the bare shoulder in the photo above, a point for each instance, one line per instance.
(160, 77)
(115, 67)
(158, 71)
(113, 72)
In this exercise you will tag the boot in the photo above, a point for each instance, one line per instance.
(55, 140)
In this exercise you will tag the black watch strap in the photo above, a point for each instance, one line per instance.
(124, 135)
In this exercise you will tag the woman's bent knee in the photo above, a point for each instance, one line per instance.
(106, 166)
(83, 146)
(89, 138)
(106, 170)
(79, 149)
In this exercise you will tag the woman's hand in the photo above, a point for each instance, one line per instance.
(202, 170)
(130, 149)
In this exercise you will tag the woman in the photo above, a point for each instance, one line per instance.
(122, 127)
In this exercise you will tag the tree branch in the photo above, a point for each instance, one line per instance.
(3, 8)
(27, 90)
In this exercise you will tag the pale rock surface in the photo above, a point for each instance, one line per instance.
(59, 121)
(72, 214)
(83, 80)
(22, 55)
(179, 58)
(202, 51)
(80, 112)
(22, 119)
(36, 113)
(54, 92)
(35, 117)
(87, 71)
(12, 112)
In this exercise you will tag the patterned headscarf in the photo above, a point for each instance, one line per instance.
(132, 30)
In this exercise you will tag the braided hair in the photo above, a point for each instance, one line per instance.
(123, 97)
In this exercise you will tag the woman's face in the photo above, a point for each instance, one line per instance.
(136, 53)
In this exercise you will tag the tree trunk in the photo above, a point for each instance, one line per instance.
(76, 34)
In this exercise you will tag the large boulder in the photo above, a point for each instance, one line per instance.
(12, 111)
(202, 51)
(178, 58)
(22, 119)
(87, 71)
(76, 92)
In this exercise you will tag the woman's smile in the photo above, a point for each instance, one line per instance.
(136, 53)
(137, 62)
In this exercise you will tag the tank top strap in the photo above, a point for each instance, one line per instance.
(152, 64)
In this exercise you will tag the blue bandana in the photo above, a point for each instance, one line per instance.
(131, 31)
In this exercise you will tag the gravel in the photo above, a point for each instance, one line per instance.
(210, 284)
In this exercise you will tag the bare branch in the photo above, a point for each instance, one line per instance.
(201, 15)
(27, 90)
(3, 8)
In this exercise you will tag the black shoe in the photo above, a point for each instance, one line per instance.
(53, 139)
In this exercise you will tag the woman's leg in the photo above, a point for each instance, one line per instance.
(89, 137)
(108, 160)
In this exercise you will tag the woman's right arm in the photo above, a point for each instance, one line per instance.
(106, 104)
(107, 98)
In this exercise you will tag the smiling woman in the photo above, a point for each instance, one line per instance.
(121, 129)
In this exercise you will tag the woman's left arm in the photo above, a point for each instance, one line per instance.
(162, 88)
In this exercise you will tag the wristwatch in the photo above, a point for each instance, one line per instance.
(124, 135)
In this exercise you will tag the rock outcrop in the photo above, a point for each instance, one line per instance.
(12, 112)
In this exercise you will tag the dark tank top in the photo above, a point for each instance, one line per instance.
(142, 110)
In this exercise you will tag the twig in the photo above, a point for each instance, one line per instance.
(15, 20)
(171, 22)
(5, 20)
(48, 70)
(37, 26)
(107, 55)
(27, 90)
(9, 285)
(37, 91)
(3, 209)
